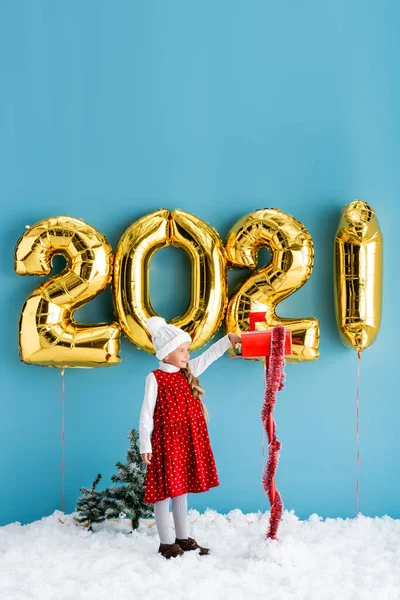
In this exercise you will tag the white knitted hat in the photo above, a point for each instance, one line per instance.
(166, 338)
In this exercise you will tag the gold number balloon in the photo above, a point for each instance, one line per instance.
(358, 275)
(292, 259)
(48, 334)
(208, 297)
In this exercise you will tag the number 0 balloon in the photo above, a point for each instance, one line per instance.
(208, 298)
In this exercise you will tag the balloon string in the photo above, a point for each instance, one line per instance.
(62, 439)
(357, 428)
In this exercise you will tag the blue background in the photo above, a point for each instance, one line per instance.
(110, 110)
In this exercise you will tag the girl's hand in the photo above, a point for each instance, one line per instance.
(234, 338)
(146, 458)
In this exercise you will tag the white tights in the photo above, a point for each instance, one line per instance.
(163, 521)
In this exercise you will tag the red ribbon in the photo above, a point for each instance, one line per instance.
(274, 383)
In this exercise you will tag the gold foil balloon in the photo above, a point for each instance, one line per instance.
(208, 297)
(48, 334)
(292, 259)
(358, 275)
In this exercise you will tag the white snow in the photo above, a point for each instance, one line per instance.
(353, 559)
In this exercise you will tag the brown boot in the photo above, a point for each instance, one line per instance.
(191, 544)
(170, 550)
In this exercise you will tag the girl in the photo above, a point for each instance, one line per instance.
(174, 440)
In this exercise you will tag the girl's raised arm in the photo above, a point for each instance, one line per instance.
(200, 364)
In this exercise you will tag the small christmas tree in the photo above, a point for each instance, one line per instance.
(127, 496)
(92, 505)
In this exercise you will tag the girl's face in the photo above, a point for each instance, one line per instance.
(179, 357)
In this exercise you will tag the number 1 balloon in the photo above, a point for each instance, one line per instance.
(358, 255)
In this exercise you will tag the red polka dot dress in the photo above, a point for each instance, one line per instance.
(182, 460)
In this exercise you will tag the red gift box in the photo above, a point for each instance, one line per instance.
(256, 344)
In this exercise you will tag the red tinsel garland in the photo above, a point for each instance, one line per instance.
(274, 383)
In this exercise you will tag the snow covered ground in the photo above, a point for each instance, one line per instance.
(357, 559)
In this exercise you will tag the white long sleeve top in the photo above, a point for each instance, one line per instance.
(197, 365)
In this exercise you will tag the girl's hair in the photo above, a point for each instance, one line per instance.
(196, 388)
